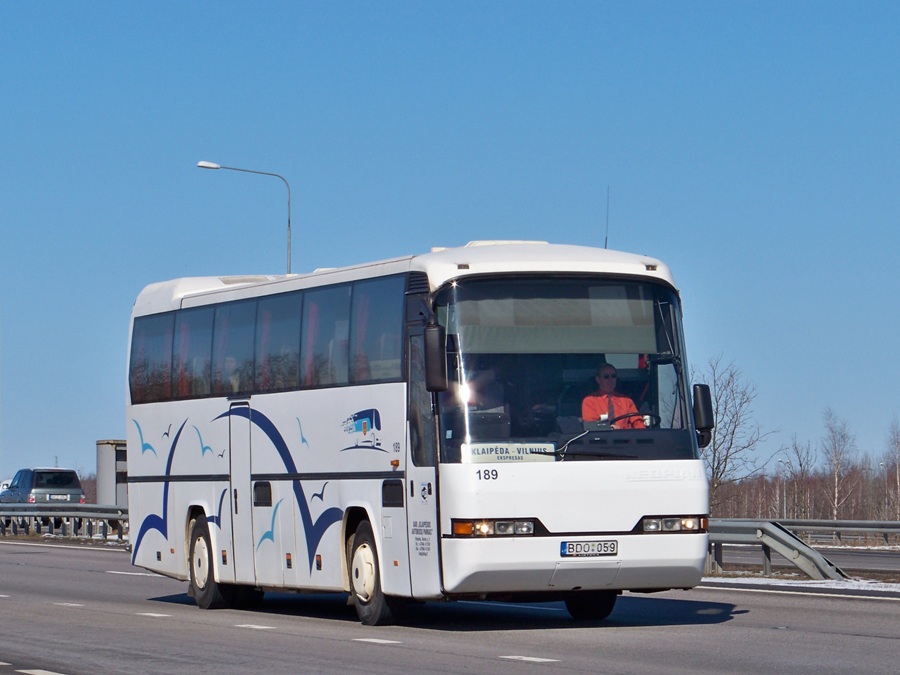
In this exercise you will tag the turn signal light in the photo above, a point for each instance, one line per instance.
(492, 528)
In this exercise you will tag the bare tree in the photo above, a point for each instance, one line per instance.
(801, 462)
(839, 450)
(736, 435)
(892, 457)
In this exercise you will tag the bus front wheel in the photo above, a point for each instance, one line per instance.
(373, 608)
(206, 590)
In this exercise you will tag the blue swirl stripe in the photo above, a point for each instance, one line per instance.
(313, 529)
(155, 521)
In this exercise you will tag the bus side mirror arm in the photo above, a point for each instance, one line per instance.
(435, 358)
(704, 418)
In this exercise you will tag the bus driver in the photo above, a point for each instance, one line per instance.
(606, 401)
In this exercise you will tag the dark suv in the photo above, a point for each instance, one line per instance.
(44, 486)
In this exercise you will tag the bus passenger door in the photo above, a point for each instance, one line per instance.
(241, 497)
(421, 479)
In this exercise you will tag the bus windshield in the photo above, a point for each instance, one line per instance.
(524, 354)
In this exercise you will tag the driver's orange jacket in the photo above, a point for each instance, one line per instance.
(614, 405)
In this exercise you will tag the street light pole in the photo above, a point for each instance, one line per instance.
(212, 165)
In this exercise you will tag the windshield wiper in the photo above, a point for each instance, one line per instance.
(563, 451)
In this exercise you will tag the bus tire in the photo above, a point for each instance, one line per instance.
(207, 592)
(372, 607)
(591, 605)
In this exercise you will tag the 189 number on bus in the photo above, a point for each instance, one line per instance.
(487, 474)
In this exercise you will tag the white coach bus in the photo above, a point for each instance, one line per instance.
(412, 429)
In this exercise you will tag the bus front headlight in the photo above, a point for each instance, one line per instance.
(675, 524)
(492, 528)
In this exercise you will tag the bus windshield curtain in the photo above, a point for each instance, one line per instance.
(263, 375)
(358, 339)
(220, 329)
(184, 351)
(310, 330)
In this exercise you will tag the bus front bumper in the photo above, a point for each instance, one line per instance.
(538, 564)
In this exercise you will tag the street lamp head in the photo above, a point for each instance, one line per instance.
(208, 165)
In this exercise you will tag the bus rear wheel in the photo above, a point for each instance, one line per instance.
(372, 606)
(591, 605)
(207, 592)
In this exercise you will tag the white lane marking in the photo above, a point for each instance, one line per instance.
(530, 659)
(104, 549)
(254, 626)
(376, 641)
(4, 596)
(153, 614)
(844, 596)
(68, 604)
(38, 672)
(133, 574)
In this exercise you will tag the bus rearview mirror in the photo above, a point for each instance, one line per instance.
(435, 358)
(704, 418)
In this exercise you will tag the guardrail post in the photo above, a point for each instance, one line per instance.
(120, 527)
(714, 559)
(767, 560)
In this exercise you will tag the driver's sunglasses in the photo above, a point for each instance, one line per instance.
(609, 377)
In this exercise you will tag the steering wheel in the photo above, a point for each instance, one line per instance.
(655, 420)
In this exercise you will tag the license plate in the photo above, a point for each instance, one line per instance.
(585, 549)
(59, 498)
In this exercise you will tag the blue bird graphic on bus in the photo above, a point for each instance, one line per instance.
(303, 440)
(203, 447)
(270, 533)
(363, 425)
(144, 445)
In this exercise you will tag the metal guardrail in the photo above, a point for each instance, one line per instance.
(770, 536)
(838, 528)
(88, 519)
(69, 519)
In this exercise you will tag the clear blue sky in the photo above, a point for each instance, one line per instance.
(755, 147)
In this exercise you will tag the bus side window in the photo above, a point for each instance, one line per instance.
(278, 343)
(151, 358)
(375, 339)
(326, 318)
(421, 415)
(233, 347)
(193, 342)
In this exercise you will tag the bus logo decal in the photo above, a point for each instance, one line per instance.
(362, 426)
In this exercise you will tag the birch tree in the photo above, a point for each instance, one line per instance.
(838, 451)
(729, 456)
